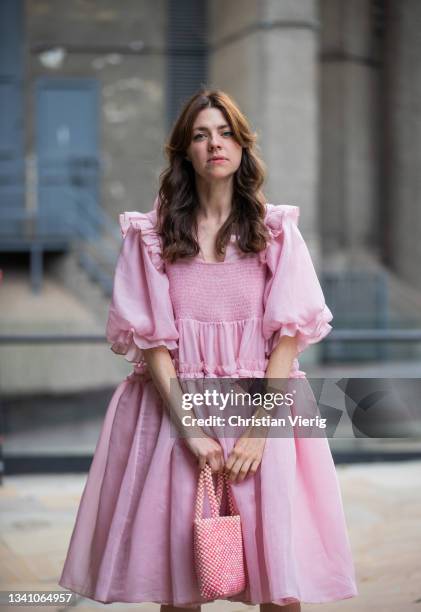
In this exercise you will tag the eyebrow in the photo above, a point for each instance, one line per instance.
(203, 127)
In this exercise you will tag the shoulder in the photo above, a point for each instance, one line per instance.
(279, 218)
(139, 221)
(278, 215)
(144, 223)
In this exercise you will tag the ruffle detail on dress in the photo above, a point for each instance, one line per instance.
(275, 219)
(140, 373)
(238, 368)
(145, 223)
(224, 349)
(131, 345)
(308, 333)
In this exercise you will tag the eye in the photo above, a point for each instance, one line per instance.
(228, 132)
(197, 136)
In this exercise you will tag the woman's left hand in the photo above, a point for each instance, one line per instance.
(245, 457)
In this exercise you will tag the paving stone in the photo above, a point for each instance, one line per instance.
(382, 503)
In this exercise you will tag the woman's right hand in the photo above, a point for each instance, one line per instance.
(207, 450)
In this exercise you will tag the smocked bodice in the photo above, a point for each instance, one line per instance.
(221, 291)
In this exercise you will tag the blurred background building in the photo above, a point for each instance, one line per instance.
(89, 90)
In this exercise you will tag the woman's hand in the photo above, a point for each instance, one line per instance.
(206, 450)
(245, 457)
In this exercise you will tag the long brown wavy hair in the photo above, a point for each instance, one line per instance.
(178, 201)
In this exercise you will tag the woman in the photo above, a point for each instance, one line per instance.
(212, 283)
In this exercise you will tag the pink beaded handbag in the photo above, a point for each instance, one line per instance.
(218, 542)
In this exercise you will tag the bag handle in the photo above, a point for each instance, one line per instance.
(205, 479)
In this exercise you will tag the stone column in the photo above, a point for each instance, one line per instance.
(264, 53)
(349, 126)
(404, 137)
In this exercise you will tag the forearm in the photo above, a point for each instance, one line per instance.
(279, 368)
(166, 381)
(280, 361)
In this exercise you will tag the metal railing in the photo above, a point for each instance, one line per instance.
(82, 463)
(340, 335)
(83, 227)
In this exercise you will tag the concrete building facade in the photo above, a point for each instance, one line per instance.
(331, 87)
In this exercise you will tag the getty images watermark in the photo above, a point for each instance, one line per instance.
(217, 400)
(296, 407)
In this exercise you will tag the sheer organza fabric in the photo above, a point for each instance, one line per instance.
(133, 540)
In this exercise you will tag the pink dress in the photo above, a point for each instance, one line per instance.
(133, 536)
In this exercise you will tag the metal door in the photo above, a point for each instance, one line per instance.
(67, 155)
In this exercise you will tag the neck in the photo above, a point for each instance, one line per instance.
(215, 200)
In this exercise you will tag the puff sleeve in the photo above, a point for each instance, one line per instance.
(140, 315)
(293, 298)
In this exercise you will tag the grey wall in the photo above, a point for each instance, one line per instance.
(404, 141)
(101, 40)
(349, 127)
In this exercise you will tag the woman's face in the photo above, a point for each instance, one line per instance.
(212, 137)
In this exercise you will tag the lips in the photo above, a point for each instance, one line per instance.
(220, 158)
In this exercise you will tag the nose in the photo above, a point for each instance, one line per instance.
(214, 140)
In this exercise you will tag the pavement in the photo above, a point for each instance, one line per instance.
(382, 503)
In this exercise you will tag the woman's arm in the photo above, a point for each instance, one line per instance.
(247, 453)
(281, 358)
(164, 376)
(165, 379)
(279, 366)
